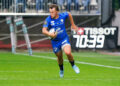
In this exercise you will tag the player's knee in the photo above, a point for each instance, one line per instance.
(68, 53)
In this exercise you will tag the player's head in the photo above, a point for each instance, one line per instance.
(54, 10)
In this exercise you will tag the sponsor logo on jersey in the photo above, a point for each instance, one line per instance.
(61, 20)
(52, 23)
(45, 23)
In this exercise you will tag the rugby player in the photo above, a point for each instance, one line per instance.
(60, 40)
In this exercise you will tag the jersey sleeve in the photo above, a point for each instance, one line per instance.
(66, 15)
(46, 23)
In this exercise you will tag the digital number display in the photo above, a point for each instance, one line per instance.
(93, 41)
(93, 37)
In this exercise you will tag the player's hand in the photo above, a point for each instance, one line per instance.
(53, 35)
(74, 27)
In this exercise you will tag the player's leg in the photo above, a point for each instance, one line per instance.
(58, 52)
(67, 50)
(59, 57)
(60, 62)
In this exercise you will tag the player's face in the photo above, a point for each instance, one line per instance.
(53, 12)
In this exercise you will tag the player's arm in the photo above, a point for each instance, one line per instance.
(45, 29)
(73, 26)
(46, 32)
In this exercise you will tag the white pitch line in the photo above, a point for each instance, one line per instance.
(79, 62)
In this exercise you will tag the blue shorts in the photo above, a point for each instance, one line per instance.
(58, 45)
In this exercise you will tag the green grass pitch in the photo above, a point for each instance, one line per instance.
(42, 70)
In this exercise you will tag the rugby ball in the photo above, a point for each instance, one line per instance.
(51, 31)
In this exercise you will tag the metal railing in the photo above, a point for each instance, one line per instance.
(42, 6)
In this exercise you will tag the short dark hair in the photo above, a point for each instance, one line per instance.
(54, 6)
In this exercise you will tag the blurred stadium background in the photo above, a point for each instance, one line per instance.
(86, 13)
